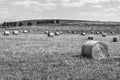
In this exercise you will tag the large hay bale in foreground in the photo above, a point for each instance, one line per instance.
(50, 34)
(7, 33)
(94, 50)
(15, 32)
(116, 38)
(90, 37)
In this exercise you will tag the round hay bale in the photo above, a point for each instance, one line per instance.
(57, 33)
(30, 30)
(104, 35)
(83, 34)
(74, 32)
(92, 32)
(101, 32)
(116, 38)
(46, 32)
(50, 34)
(97, 32)
(112, 32)
(7, 33)
(90, 37)
(60, 32)
(94, 50)
(25, 31)
(15, 32)
(69, 31)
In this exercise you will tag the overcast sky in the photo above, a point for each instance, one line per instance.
(105, 10)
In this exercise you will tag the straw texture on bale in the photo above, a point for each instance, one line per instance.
(6, 33)
(94, 50)
(50, 34)
(90, 37)
(15, 32)
(116, 39)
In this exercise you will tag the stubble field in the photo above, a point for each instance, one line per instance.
(39, 57)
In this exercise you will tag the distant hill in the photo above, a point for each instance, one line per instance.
(59, 22)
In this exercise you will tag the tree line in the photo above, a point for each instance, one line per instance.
(29, 23)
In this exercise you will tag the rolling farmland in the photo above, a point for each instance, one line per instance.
(39, 57)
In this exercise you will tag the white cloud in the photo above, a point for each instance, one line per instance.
(47, 4)
(25, 3)
(97, 6)
(111, 9)
(72, 4)
(79, 3)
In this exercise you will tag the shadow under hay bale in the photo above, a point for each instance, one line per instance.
(115, 39)
(94, 50)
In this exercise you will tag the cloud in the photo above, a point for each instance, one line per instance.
(80, 3)
(72, 4)
(97, 6)
(98, 16)
(111, 9)
(25, 3)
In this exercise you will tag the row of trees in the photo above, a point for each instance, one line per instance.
(29, 23)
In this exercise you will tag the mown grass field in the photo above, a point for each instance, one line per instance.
(38, 57)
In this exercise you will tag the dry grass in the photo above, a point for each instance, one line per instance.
(38, 57)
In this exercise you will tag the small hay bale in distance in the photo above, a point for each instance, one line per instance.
(97, 32)
(74, 32)
(46, 32)
(57, 33)
(104, 35)
(101, 32)
(116, 38)
(83, 34)
(60, 32)
(15, 32)
(112, 32)
(50, 34)
(25, 31)
(90, 37)
(6, 33)
(94, 50)
(92, 32)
